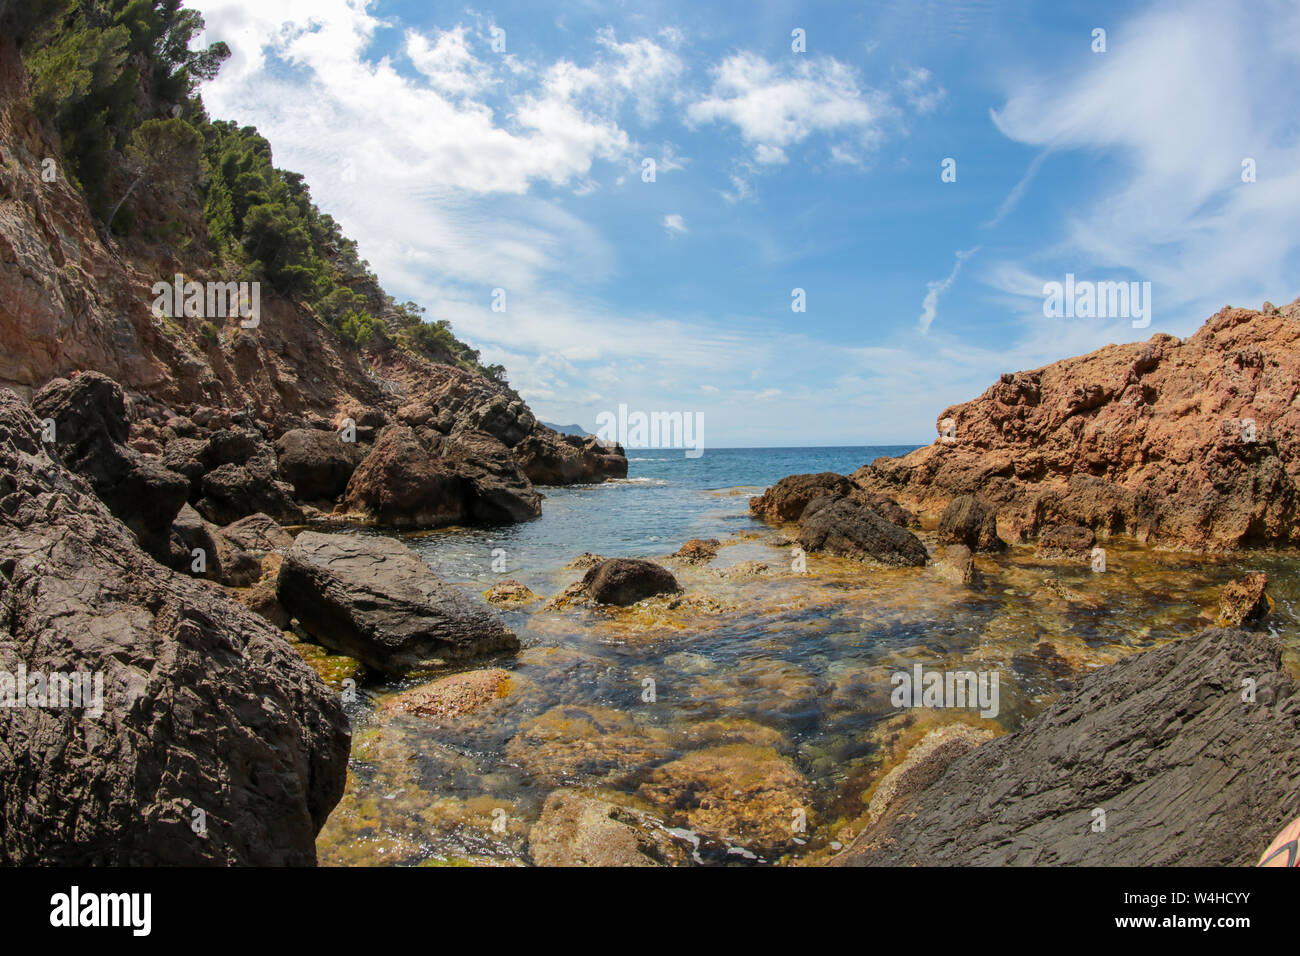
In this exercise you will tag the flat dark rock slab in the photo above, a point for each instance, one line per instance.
(1186, 771)
(375, 599)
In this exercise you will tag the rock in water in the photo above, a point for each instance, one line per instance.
(1160, 748)
(787, 499)
(698, 550)
(550, 458)
(1066, 541)
(848, 528)
(971, 522)
(627, 580)
(207, 712)
(958, 565)
(580, 830)
(1245, 602)
(376, 600)
(453, 696)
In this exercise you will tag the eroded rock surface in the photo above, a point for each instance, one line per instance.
(205, 707)
(374, 599)
(1191, 444)
(1185, 770)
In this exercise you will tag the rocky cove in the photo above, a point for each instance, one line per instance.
(715, 688)
(343, 599)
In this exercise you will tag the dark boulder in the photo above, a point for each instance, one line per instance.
(230, 492)
(787, 499)
(90, 434)
(1066, 541)
(318, 464)
(208, 716)
(548, 457)
(418, 478)
(968, 520)
(848, 528)
(400, 484)
(625, 581)
(258, 533)
(374, 599)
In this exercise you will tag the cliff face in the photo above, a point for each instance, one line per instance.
(1187, 444)
(72, 300)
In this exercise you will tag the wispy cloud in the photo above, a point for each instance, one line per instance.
(930, 304)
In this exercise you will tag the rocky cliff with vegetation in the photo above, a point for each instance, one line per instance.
(153, 452)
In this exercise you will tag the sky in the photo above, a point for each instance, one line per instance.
(913, 173)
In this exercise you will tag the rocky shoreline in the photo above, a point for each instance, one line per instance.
(230, 638)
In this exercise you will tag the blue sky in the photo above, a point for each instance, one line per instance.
(461, 169)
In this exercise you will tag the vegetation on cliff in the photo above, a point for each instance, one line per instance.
(118, 81)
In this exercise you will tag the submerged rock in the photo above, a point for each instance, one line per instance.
(1066, 541)
(375, 599)
(848, 528)
(204, 705)
(580, 830)
(737, 793)
(510, 593)
(625, 581)
(958, 565)
(571, 743)
(455, 695)
(1160, 747)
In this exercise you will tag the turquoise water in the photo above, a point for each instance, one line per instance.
(666, 499)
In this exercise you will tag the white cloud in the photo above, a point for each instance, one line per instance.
(777, 106)
(1185, 94)
(675, 224)
(448, 63)
(930, 305)
(922, 92)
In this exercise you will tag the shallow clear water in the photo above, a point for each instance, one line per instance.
(771, 690)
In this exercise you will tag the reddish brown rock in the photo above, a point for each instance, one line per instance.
(786, 500)
(698, 550)
(1190, 444)
(1066, 541)
(971, 522)
(453, 696)
(1245, 602)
